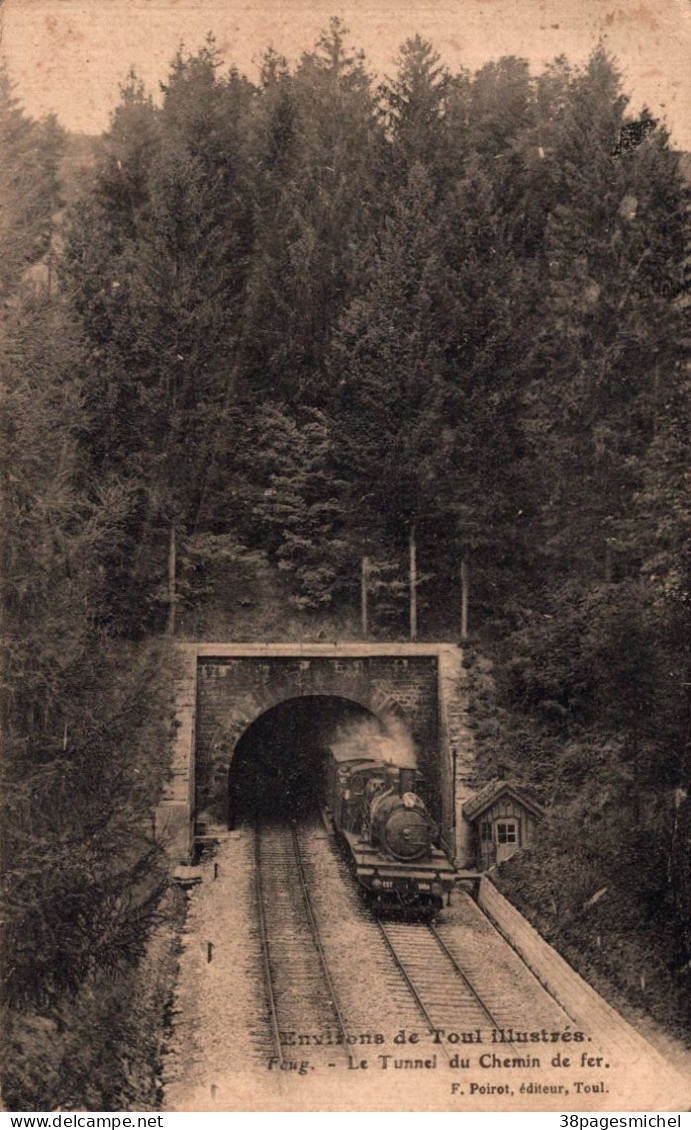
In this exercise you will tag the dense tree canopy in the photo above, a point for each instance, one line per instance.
(299, 317)
(81, 874)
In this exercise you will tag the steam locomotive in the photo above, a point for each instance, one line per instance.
(387, 830)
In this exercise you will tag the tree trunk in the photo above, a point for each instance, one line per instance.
(609, 572)
(413, 583)
(172, 569)
(364, 597)
(464, 598)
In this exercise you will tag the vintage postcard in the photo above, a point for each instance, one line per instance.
(346, 557)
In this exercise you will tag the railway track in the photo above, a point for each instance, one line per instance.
(300, 993)
(443, 992)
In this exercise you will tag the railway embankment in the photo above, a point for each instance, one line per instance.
(601, 882)
(578, 999)
(589, 956)
(152, 1000)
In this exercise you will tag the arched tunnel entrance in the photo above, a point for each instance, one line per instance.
(278, 763)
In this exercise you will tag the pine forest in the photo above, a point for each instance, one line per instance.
(260, 339)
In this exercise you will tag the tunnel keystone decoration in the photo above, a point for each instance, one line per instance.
(224, 688)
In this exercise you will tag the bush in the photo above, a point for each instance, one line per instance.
(84, 877)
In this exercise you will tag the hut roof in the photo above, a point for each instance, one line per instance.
(490, 793)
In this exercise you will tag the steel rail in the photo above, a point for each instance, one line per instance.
(463, 975)
(266, 960)
(409, 982)
(314, 928)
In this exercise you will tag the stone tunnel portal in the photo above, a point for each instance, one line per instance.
(225, 690)
(278, 763)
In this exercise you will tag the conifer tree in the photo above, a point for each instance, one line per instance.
(80, 877)
(485, 487)
(389, 361)
(297, 504)
(613, 256)
(315, 194)
(415, 103)
(500, 105)
(29, 187)
(156, 265)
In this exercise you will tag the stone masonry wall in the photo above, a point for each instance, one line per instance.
(175, 813)
(456, 755)
(233, 691)
(223, 688)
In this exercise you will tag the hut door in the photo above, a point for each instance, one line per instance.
(487, 849)
(507, 838)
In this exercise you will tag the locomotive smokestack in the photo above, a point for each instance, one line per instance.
(406, 781)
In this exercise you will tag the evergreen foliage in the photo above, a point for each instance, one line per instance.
(297, 319)
(28, 186)
(83, 765)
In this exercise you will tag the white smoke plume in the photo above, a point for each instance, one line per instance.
(375, 740)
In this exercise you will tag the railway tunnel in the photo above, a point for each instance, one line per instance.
(278, 763)
(277, 702)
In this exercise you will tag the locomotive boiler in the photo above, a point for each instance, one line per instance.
(388, 832)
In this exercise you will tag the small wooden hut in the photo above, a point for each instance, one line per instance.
(503, 819)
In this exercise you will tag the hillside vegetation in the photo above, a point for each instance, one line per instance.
(288, 325)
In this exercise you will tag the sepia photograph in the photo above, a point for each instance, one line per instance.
(346, 557)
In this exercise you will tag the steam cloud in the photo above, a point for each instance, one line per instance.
(385, 740)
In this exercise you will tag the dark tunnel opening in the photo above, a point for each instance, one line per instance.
(278, 765)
